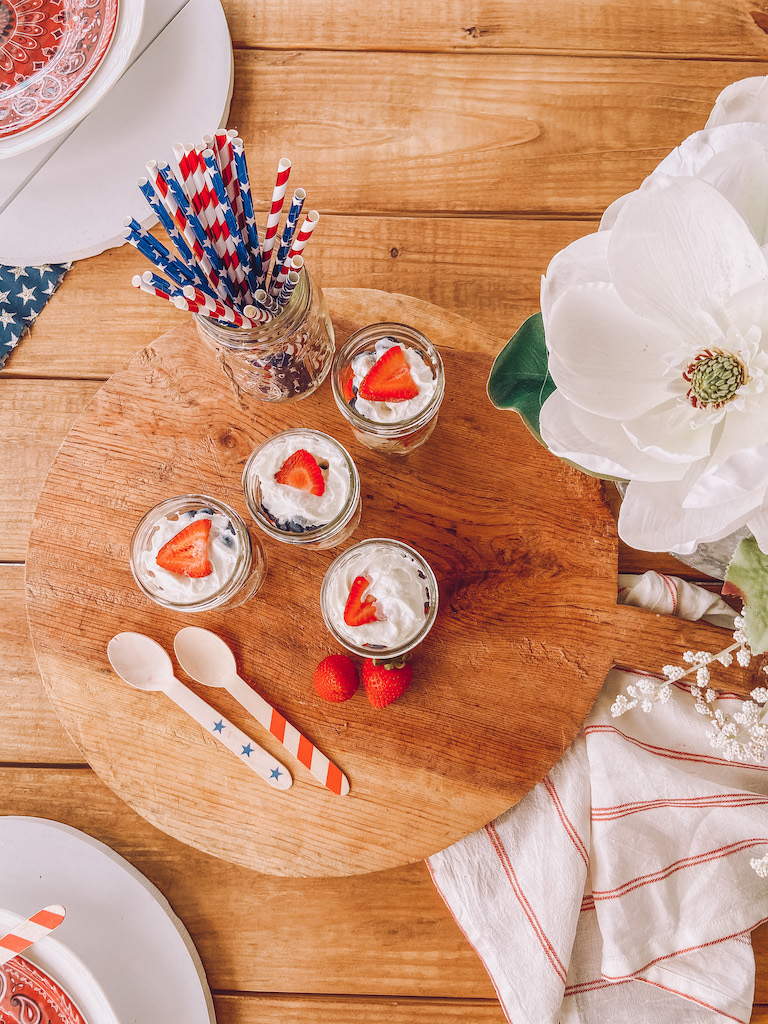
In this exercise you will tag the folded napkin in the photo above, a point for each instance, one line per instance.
(23, 293)
(620, 888)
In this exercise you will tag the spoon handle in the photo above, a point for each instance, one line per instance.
(320, 766)
(257, 758)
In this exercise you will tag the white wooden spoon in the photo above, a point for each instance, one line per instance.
(206, 658)
(143, 663)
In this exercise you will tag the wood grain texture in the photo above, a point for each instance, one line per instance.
(34, 427)
(722, 28)
(30, 730)
(425, 133)
(355, 1010)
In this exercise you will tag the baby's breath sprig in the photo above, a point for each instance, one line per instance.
(740, 737)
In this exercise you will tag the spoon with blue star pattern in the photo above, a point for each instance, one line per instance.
(141, 662)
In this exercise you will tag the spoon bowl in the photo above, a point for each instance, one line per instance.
(140, 661)
(205, 656)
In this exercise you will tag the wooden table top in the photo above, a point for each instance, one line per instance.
(451, 149)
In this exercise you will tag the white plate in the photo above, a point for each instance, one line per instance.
(68, 971)
(118, 925)
(127, 31)
(67, 199)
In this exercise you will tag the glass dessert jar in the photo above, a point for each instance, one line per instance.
(278, 482)
(203, 566)
(283, 360)
(390, 403)
(379, 598)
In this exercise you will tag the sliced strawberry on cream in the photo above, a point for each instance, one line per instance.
(302, 471)
(186, 553)
(389, 379)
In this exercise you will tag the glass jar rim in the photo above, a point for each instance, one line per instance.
(396, 428)
(429, 620)
(284, 323)
(325, 531)
(243, 564)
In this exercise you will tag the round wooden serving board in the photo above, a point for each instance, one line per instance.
(524, 547)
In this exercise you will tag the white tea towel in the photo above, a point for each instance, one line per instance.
(657, 592)
(619, 890)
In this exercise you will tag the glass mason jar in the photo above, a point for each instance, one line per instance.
(239, 565)
(283, 360)
(401, 582)
(294, 516)
(394, 428)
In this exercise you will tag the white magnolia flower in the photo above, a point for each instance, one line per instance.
(657, 330)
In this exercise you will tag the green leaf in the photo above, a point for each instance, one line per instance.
(519, 377)
(747, 577)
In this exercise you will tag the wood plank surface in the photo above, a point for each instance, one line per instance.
(697, 28)
(432, 134)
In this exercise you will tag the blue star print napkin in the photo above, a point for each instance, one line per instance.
(23, 293)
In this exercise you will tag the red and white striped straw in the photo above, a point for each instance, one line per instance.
(203, 199)
(291, 263)
(217, 309)
(258, 314)
(306, 229)
(278, 195)
(225, 154)
(26, 932)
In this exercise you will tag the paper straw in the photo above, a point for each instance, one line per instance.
(216, 308)
(156, 252)
(178, 206)
(261, 299)
(290, 283)
(230, 231)
(203, 201)
(166, 220)
(289, 231)
(222, 145)
(278, 195)
(160, 293)
(241, 165)
(309, 225)
(258, 315)
(292, 263)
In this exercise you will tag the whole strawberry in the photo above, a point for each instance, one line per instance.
(336, 678)
(384, 682)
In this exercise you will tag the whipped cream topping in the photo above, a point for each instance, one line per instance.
(393, 412)
(287, 505)
(399, 586)
(223, 551)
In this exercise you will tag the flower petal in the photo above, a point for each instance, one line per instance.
(678, 251)
(746, 100)
(740, 174)
(758, 524)
(578, 263)
(668, 433)
(597, 444)
(652, 517)
(744, 474)
(604, 357)
(694, 153)
(609, 217)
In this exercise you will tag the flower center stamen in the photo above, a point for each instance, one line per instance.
(714, 377)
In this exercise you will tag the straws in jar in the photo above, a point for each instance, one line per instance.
(220, 269)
